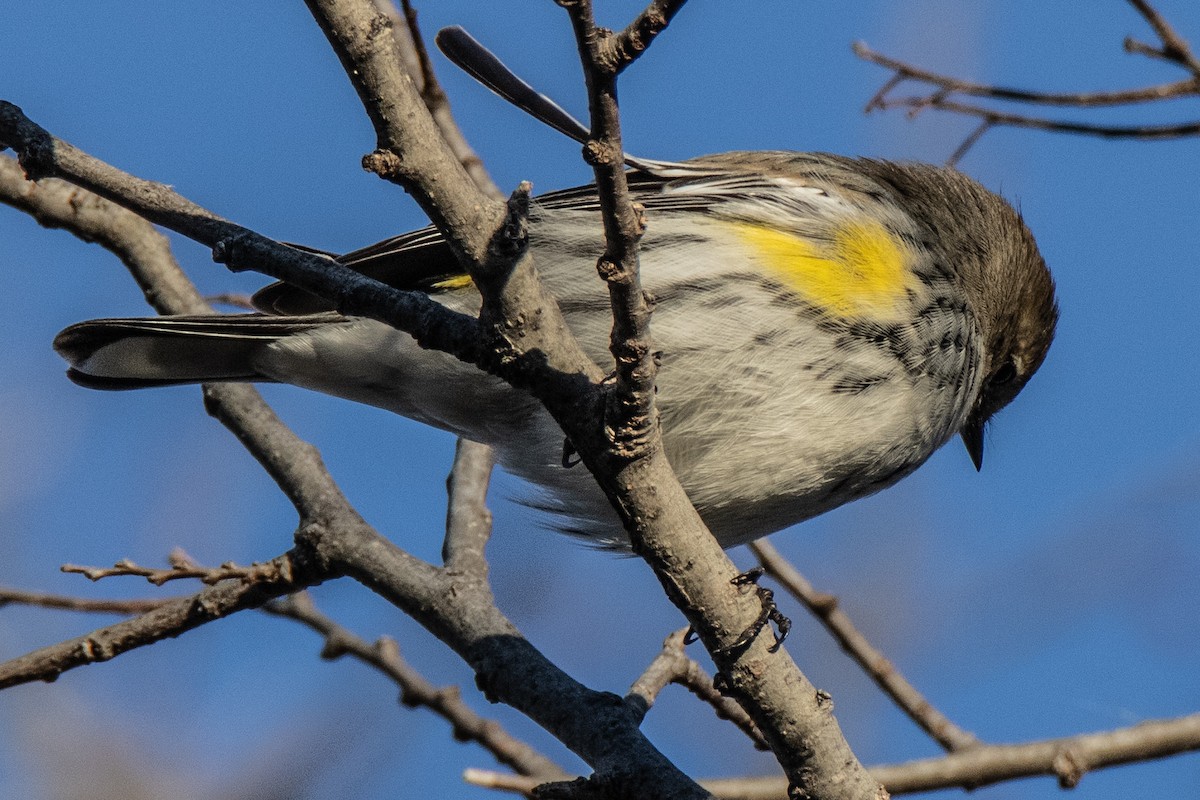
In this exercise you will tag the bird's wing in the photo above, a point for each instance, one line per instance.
(421, 260)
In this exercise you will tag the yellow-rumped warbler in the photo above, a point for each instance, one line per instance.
(825, 324)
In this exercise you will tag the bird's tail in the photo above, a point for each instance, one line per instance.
(139, 352)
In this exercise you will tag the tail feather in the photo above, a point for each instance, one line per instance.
(136, 353)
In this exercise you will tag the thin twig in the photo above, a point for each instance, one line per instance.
(183, 568)
(825, 608)
(967, 143)
(672, 665)
(238, 300)
(943, 90)
(993, 117)
(629, 412)
(946, 83)
(69, 603)
(168, 620)
(415, 690)
(1174, 47)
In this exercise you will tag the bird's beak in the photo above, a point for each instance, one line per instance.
(972, 436)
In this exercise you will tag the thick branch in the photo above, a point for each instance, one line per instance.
(595, 725)
(665, 530)
(468, 520)
(637, 36)
(363, 40)
(420, 69)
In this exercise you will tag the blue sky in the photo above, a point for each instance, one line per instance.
(1051, 594)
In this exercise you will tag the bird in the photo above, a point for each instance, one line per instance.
(824, 324)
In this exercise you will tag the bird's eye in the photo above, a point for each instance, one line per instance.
(1005, 375)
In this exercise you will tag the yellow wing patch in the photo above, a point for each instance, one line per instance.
(862, 272)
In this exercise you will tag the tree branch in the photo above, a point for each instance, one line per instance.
(944, 88)
(1067, 759)
(165, 621)
(672, 665)
(468, 520)
(825, 608)
(664, 528)
(638, 35)
(905, 71)
(68, 603)
(415, 690)
(1174, 47)
(457, 608)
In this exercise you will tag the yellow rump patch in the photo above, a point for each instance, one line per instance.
(457, 282)
(862, 272)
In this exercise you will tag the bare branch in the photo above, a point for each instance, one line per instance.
(168, 620)
(1174, 47)
(629, 412)
(439, 104)
(183, 568)
(1067, 759)
(944, 89)
(410, 146)
(334, 538)
(672, 665)
(237, 300)
(415, 690)
(468, 520)
(500, 781)
(43, 155)
(905, 71)
(68, 603)
(825, 608)
(666, 531)
(993, 118)
(637, 36)
(414, 55)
